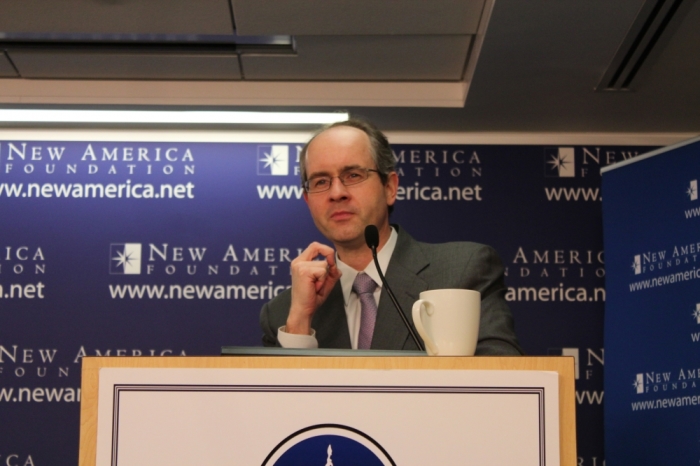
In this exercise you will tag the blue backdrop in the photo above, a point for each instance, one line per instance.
(652, 230)
(118, 248)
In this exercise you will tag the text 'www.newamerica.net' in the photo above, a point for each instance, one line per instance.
(664, 403)
(404, 193)
(678, 277)
(98, 190)
(253, 292)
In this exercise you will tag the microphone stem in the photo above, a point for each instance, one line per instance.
(408, 325)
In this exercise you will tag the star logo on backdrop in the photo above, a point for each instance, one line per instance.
(123, 258)
(696, 313)
(559, 162)
(271, 160)
(692, 190)
(638, 384)
(637, 265)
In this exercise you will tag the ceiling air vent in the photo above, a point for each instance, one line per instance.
(642, 40)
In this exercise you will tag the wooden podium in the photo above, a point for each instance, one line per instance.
(91, 372)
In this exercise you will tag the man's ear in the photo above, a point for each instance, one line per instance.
(391, 187)
(306, 197)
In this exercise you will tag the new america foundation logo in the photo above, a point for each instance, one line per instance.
(655, 382)
(155, 259)
(48, 158)
(420, 162)
(663, 259)
(422, 166)
(555, 275)
(33, 363)
(573, 165)
(570, 162)
(430, 175)
(262, 273)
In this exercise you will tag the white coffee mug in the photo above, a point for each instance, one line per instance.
(448, 321)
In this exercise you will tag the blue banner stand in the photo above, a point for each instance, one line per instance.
(651, 225)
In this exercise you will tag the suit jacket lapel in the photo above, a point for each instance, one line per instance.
(331, 323)
(402, 274)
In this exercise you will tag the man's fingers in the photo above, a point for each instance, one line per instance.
(312, 279)
(312, 272)
(334, 271)
(317, 249)
(311, 268)
(331, 277)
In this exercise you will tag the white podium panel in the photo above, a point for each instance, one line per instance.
(224, 416)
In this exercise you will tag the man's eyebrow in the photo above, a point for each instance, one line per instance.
(325, 173)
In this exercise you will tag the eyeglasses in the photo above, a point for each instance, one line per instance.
(349, 177)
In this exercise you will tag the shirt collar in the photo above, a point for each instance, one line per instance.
(348, 273)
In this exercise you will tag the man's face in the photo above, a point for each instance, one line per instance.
(342, 213)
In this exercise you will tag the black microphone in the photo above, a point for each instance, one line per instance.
(372, 240)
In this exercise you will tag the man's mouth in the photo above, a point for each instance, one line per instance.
(341, 215)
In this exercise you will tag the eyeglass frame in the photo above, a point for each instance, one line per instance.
(367, 171)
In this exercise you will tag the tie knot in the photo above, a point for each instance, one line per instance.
(363, 284)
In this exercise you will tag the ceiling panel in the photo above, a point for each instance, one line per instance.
(370, 58)
(116, 16)
(67, 64)
(6, 68)
(537, 70)
(343, 17)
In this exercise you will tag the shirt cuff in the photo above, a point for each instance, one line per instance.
(294, 340)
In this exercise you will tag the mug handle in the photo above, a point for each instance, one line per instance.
(419, 306)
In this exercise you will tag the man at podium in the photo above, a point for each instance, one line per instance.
(350, 181)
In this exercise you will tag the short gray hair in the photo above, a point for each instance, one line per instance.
(381, 152)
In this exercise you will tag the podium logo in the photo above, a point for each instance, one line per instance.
(560, 162)
(273, 160)
(328, 444)
(125, 258)
(639, 384)
(692, 190)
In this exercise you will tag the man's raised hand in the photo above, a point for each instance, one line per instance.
(312, 282)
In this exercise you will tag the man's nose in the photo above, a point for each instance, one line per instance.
(338, 189)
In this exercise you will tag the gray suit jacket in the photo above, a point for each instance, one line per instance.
(414, 267)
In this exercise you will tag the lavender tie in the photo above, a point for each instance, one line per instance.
(364, 286)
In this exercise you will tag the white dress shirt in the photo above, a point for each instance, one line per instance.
(352, 302)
